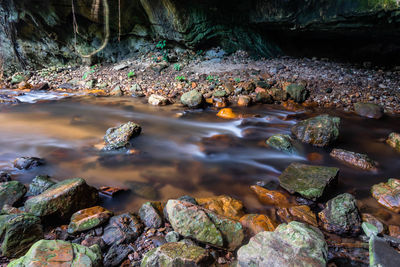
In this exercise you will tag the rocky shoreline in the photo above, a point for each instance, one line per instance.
(50, 222)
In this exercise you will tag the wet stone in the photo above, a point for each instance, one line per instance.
(256, 223)
(192, 99)
(300, 213)
(118, 137)
(380, 226)
(40, 184)
(388, 194)
(4, 177)
(297, 92)
(150, 214)
(116, 254)
(227, 113)
(26, 163)
(158, 100)
(121, 229)
(281, 142)
(223, 205)
(309, 181)
(264, 97)
(172, 237)
(358, 160)
(382, 254)
(87, 219)
(271, 197)
(11, 192)
(368, 110)
(394, 141)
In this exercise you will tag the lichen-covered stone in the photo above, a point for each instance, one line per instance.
(11, 192)
(18, 232)
(172, 237)
(118, 137)
(309, 181)
(297, 92)
(87, 219)
(256, 223)
(293, 244)
(358, 160)
(394, 141)
(223, 205)
(177, 254)
(124, 228)
(281, 142)
(369, 110)
(192, 99)
(26, 163)
(63, 199)
(341, 215)
(388, 194)
(40, 184)
(59, 253)
(320, 131)
(380, 226)
(150, 214)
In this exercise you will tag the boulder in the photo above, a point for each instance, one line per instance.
(394, 141)
(87, 219)
(192, 99)
(40, 184)
(381, 254)
(11, 192)
(293, 244)
(358, 160)
(26, 163)
(297, 92)
(59, 253)
(151, 214)
(309, 181)
(192, 221)
(256, 223)
(223, 205)
(122, 229)
(63, 199)
(368, 110)
(388, 194)
(18, 232)
(118, 137)
(320, 131)
(341, 215)
(177, 254)
(281, 142)
(158, 100)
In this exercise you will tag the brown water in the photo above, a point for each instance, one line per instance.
(171, 161)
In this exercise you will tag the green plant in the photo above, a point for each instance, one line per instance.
(180, 78)
(164, 51)
(199, 52)
(130, 74)
(161, 44)
(213, 79)
(237, 80)
(87, 73)
(177, 67)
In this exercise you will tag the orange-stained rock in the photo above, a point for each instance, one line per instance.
(227, 113)
(271, 197)
(315, 157)
(219, 102)
(194, 85)
(24, 85)
(223, 205)
(87, 219)
(209, 100)
(292, 106)
(301, 213)
(96, 92)
(244, 101)
(256, 223)
(394, 230)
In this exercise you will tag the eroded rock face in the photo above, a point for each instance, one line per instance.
(388, 194)
(118, 137)
(309, 181)
(290, 243)
(11, 192)
(59, 253)
(320, 131)
(358, 160)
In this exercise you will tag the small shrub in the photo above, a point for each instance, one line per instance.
(180, 78)
(130, 74)
(213, 79)
(177, 67)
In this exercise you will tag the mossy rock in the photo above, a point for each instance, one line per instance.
(281, 142)
(11, 192)
(40, 184)
(87, 219)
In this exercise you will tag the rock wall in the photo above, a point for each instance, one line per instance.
(36, 33)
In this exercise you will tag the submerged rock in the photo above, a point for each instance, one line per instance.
(223, 205)
(341, 215)
(158, 100)
(192, 99)
(227, 113)
(381, 254)
(293, 244)
(40, 184)
(63, 199)
(150, 214)
(256, 223)
(368, 110)
(358, 160)
(87, 219)
(18, 232)
(297, 92)
(309, 181)
(11, 192)
(177, 254)
(121, 229)
(394, 141)
(118, 137)
(144, 190)
(388, 194)
(26, 163)
(321, 131)
(59, 253)
(281, 142)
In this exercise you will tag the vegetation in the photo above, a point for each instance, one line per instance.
(213, 79)
(177, 67)
(161, 45)
(87, 73)
(180, 78)
(131, 74)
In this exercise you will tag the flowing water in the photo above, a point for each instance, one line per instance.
(175, 155)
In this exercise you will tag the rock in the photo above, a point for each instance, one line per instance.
(205, 226)
(192, 99)
(264, 97)
(188, 199)
(388, 194)
(144, 190)
(4, 177)
(321, 131)
(116, 254)
(63, 199)
(158, 100)
(244, 101)
(381, 254)
(297, 92)
(278, 94)
(368, 110)
(227, 113)
(394, 141)
(40, 184)
(281, 142)
(18, 232)
(17, 78)
(26, 163)
(223, 205)
(369, 229)
(122, 229)
(394, 231)
(116, 91)
(358, 160)
(40, 87)
(309, 181)
(158, 67)
(220, 93)
(136, 90)
(249, 86)
(301, 213)
(177, 254)
(293, 244)
(11, 192)
(87, 219)
(172, 237)
(150, 214)
(59, 253)
(380, 226)
(118, 137)
(341, 216)
(270, 197)
(256, 223)
(121, 66)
